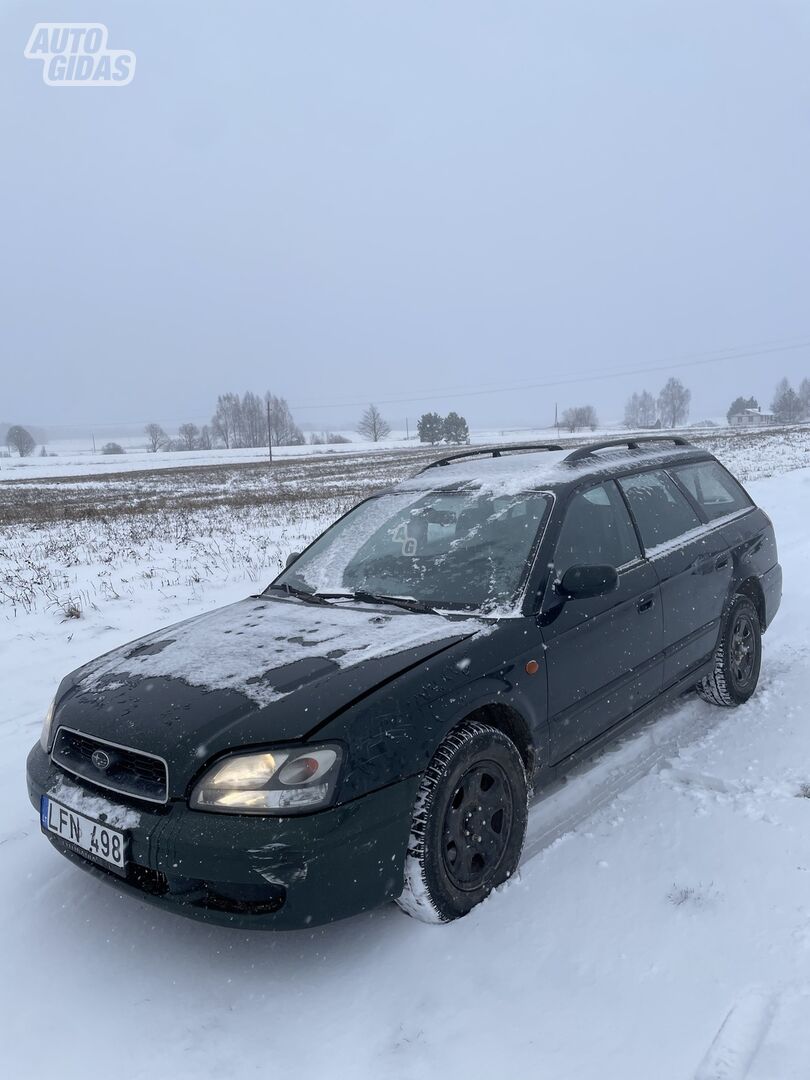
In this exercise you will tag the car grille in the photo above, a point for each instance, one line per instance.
(126, 771)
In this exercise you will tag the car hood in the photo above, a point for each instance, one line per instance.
(258, 671)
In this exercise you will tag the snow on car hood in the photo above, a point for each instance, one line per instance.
(241, 647)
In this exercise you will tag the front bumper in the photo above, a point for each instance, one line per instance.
(255, 872)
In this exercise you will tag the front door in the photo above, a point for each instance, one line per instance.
(603, 654)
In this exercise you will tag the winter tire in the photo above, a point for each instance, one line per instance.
(468, 826)
(737, 658)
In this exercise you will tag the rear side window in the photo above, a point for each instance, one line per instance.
(661, 511)
(596, 530)
(712, 488)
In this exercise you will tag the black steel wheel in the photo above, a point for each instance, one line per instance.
(738, 657)
(469, 823)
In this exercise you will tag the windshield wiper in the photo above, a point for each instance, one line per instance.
(406, 602)
(302, 594)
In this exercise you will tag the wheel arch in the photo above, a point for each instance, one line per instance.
(752, 588)
(513, 725)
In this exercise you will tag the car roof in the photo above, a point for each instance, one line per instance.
(511, 469)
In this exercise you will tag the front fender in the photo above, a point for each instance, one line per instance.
(393, 733)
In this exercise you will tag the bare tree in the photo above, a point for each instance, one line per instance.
(240, 422)
(227, 420)
(20, 439)
(253, 421)
(204, 441)
(640, 411)
(631, 412)
(647, 411)
(372, 426)
(588, 417)
(189, 436)
(786, 405)
(112, 448)
(804, 398)
(580, 416)
(568, 419)
(673, 403)
(283, 429)
(156, 437)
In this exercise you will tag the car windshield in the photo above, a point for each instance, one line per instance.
(448, 549)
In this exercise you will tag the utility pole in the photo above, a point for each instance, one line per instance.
(94, 443)
(407, 432)
(556, 424)
(269, 436)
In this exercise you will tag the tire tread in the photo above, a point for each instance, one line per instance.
(415, 899)
(713, 688)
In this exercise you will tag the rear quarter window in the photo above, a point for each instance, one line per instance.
(659, 507)
(713, 489)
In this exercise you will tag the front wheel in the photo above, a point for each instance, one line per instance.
(468, 826)
(737, 658)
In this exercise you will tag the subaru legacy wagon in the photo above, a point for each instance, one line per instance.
(369, 728)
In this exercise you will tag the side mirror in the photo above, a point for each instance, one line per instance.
(582, 582)
(291, 559)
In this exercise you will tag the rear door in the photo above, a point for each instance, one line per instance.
(693, 564)
(603, 654)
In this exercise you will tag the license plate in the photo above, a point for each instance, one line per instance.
(92, 839)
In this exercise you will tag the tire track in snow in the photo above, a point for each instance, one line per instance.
(763, 1037)
(595, 783)
(740, 1036)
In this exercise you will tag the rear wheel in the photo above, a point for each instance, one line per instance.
(737, 659)
(468, 826)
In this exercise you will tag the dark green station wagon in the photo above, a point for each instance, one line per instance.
(369, 728)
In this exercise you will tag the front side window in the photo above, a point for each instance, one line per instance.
(712, 488)
(661, 511)
(447, 549)
(596, 531)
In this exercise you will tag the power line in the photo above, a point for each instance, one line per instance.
(584, 378)
(755, 348)
(676, 363)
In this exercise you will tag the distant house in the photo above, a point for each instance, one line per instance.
(752, 418)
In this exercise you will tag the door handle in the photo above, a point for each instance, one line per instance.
(720, 562)
(645, 603)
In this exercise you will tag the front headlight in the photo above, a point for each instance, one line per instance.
(45, 734)
(270, 782)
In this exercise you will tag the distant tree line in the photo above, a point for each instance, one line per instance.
(327, 438)
(433, 428)
(237, 423)
(670, 409)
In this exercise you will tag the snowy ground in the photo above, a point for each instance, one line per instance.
(659, 927)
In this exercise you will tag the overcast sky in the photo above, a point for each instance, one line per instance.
(345, 202)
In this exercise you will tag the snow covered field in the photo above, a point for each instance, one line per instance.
(72, 458)
(659, 927)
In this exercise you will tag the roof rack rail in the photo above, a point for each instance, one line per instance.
(628, 444)
(494, 451)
